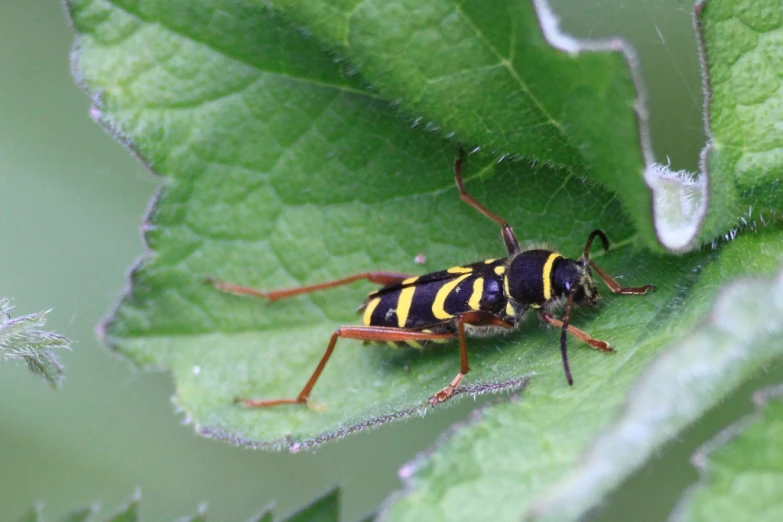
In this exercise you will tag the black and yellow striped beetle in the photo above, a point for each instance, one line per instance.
(480, 299)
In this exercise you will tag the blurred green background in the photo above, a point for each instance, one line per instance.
(71, 201)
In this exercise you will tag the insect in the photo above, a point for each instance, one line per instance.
(479, 299)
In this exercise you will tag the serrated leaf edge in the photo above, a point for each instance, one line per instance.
(668, 189)
(511, 386)
(407, 471)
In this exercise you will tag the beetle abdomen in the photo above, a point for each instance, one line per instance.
(436, 298)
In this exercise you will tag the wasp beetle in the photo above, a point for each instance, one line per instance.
(479, 299)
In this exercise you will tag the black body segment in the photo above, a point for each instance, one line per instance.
(433, 301)
(529, 278)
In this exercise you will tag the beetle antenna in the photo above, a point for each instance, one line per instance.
(563, 332)
(604, 242)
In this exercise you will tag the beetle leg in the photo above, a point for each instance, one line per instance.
(576, 332)
(476, 318)
(362, 333)
(381, 278)
(512, 245)
(615, 287)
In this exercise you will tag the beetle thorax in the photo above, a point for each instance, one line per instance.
(529, 278)
(538, 277)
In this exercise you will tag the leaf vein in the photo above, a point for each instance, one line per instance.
(506, 62)
(225, 53)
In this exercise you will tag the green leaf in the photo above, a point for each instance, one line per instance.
(577, 104)
(573, 450)
(33, 514)
(741, 468)
(263, 516)
(241, 203)
(130, 511)
(21, 340)
(741, 42)
(280, 170)
(497, 76)
(558, 454)
(80, 515)
(324, 509)
(200, 516)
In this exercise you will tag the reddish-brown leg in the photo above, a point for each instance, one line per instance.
(576, 332)
(615, 287)
(512, 245)
(381, 278)
(477, 318)
(362, 333)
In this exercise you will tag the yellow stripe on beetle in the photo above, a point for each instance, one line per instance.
(475, 298)
(547, 275)
(404, 305)
(459, 270)
(438, 341)
(438, 309)
(369, 309)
